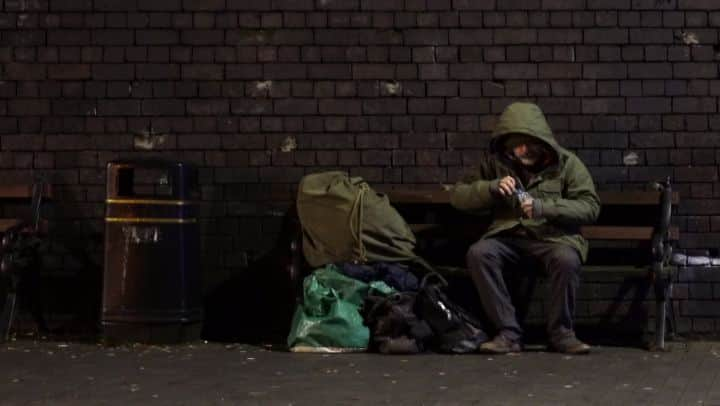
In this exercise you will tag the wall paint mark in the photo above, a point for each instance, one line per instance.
(261, 88)
(393, 87)
(631, 159)
(289, 144)
(142, 234)
(148, 139)
(689, 38)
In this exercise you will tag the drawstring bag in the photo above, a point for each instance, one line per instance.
(344, 220)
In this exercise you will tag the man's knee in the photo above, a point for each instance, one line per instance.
(564, 259)
(483, 251)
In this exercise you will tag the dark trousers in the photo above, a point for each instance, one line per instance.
(490, 260)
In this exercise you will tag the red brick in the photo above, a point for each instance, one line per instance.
(694, 105)
(373, 71)
(698, 4)
(695, 70)
(560, 71)
(515, 71)
(202, 72)
(157, 37)
(518, 4)
(604, 71)
(471, 36)
(514, 36)
(464, 105)
(559, 36)
(68, 72)
(651, 36)
(322, 71)
(20, 71)
(424, 175)
(558, 105)
(649, 70)
(340, 106)
(644, 105)
(28, 107)
(446, 89)
(433, 72)
(425, 37)
(606, 36)
(426, 106)
(603, 105)
(563, 4)
(160, 5)
(473, 5)
(384, 106)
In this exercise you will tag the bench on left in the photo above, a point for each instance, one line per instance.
(23, 229)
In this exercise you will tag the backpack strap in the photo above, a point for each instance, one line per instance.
(434, 274)
(357, 212)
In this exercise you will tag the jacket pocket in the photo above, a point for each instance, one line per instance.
(550, 189)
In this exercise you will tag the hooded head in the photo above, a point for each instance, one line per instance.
(521, 124)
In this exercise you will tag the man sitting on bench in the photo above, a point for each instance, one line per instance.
(538, 228)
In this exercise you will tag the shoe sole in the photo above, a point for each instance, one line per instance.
(584, 351)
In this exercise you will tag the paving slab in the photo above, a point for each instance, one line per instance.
(206, 373)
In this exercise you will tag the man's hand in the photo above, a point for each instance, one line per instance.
(506, 186)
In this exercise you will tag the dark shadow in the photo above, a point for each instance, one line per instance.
(74, 297)
(615, 327)
(257, 305)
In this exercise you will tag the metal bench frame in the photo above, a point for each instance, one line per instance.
(30, 226)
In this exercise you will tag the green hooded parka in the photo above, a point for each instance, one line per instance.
(565, 189)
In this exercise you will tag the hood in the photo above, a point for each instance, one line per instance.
(523, 118)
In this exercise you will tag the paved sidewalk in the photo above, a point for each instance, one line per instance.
(57, 373)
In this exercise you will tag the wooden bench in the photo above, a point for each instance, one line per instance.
(20, 220)
(633, 236)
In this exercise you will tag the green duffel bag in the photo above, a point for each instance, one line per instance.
(329, 319)
(344, 220)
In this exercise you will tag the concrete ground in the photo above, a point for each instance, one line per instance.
(200, 373)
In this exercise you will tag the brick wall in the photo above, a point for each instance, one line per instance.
(613, 304)
(260, 92)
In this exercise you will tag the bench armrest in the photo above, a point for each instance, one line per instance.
(661, 247)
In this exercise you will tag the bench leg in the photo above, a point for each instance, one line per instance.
(8, 316)
(662, 293)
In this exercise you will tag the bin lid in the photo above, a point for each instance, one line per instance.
(151, 178)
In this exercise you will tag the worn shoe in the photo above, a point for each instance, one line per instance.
(500, 345)
(570, 345)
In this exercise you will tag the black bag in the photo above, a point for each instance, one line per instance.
(456, 330)
(394, 327)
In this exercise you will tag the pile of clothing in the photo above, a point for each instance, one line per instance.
(364, 293)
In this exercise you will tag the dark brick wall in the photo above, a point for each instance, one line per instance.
(260, 92)
(619, 304)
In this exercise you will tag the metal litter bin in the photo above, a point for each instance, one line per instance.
(152, 282)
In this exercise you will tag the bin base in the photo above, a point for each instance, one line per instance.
(174, 333)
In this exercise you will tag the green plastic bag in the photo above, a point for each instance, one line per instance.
(329, 318)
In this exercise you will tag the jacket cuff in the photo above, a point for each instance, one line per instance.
(494, 187)
(537, 208)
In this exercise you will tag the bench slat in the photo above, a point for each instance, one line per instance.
(589, 232)
(634, 198)
(629, 198)
(624, 233)
(5, 224)
(22, 191)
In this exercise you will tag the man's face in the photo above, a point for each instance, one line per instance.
(525, 148)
